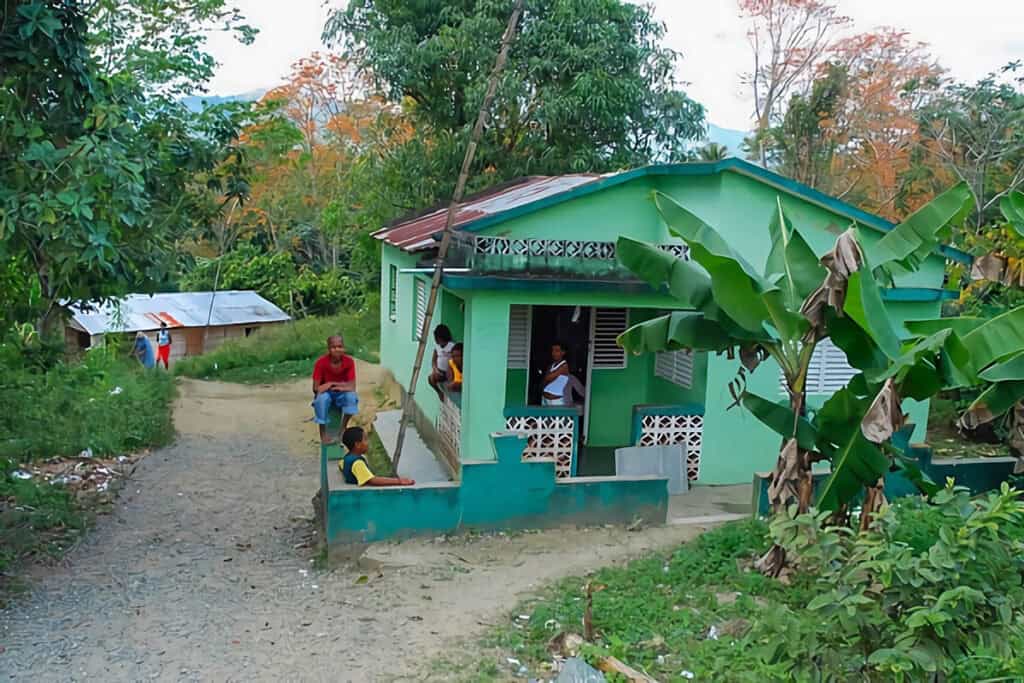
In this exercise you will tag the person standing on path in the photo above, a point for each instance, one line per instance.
(334, 383)
(143, 350)
(163, 346)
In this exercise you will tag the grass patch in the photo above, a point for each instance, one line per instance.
(37, 521)
(106, 403)
(287, 351)
(701, 613)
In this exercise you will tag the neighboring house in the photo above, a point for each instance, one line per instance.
(233, 315)
(534, 262)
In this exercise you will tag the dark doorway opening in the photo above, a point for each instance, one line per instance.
(569, 325)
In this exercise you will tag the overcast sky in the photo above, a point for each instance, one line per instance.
(969, 38)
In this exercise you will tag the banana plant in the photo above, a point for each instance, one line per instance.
(783, 310)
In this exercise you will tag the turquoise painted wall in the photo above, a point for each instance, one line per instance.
(499, 493)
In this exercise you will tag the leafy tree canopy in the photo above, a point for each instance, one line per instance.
(589, 84)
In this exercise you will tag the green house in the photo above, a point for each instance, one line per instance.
(533, 263)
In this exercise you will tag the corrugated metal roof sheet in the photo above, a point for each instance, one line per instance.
(417, 234)
(178, 309)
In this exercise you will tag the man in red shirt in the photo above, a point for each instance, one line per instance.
(334, 383)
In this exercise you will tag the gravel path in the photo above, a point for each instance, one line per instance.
(204, 569)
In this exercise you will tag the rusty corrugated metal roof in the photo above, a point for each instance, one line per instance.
(417, 234)
(141, 312)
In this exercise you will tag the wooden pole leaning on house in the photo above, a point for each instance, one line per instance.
(446, 235)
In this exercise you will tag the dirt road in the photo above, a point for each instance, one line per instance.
(204, 570)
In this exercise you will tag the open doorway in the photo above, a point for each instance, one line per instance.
(569, 325)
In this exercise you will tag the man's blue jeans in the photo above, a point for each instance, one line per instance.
(345, 401)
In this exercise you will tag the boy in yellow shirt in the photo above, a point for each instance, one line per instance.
(353, 466)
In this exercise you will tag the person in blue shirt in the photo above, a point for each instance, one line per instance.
(353, 466)
(143, 350)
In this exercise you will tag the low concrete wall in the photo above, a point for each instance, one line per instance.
(976, 474)
(505, 493)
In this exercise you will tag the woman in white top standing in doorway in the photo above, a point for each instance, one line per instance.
(557, 377)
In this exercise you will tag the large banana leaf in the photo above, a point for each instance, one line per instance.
(992, 403)
(779, 418)
(864, 305)
(736, 285)
(860, 349)
(677, 330)
(997, 339)
(924, 328)
(856, 462)
(686, 281)
(925, 356)
(1007, 371)
(792, 258)
(1012, 206)
(912, 240)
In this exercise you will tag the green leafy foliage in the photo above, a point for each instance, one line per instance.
(589, 85)
(931, 588)
(106, 403)
(927, 588)
(298, 289)
(97, 173)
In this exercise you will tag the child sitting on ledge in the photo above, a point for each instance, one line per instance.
(353, 466)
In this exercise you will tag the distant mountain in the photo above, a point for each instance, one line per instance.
(732, 139)
(200, 102)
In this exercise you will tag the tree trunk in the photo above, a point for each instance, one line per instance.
(791, 480)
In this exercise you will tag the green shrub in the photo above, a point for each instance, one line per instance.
(891, 603)
(932, 592)
(286, 351)
(107, 402)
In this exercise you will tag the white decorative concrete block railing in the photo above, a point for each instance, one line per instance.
(449, 428)
(583, 249)
(548, 436)
(669, 428)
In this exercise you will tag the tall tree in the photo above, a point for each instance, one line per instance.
(977, 132)
(589, 86)
(789, 38)
(803, 145)
(96, 177)
(160, 44)
(890, 78)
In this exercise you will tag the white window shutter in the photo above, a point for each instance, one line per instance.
(518, 337)
(675, 367)
(607, 324)
(421, 306)
(828, 371)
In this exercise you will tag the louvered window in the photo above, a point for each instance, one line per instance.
(828, 372)
(675, 367)
(519, 337)
(421, 307)
(393, 293)
(608, 324)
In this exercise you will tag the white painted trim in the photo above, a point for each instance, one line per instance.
(585, 432)
(430, 271)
